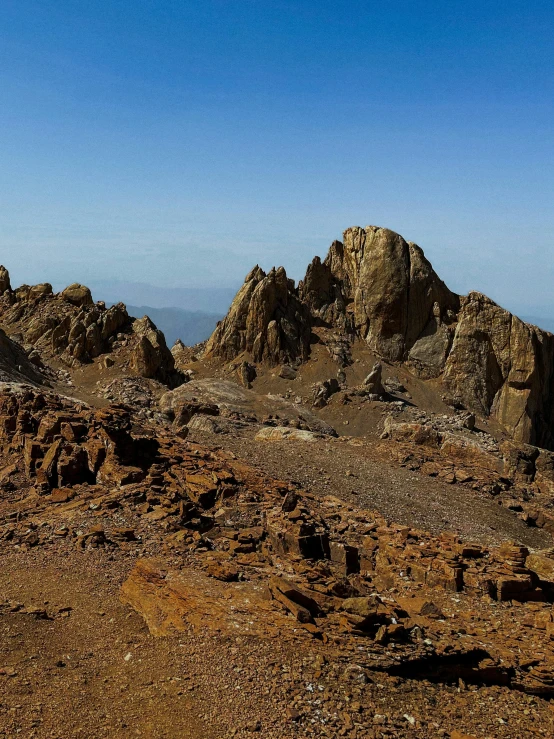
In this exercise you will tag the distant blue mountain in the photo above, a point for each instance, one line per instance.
(202, 299)
(176, 323)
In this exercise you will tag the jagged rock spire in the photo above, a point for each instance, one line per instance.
(376, 287)
(5, 285)
(266, 320)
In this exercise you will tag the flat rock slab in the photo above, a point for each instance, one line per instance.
(278, 433)
(173, 601)
(230, 397)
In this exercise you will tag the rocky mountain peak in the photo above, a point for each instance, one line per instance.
(373, 285)
(387, 286)
(266, 320)
(378, 288)
(70, 328)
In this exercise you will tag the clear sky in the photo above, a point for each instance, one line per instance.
(178, 143)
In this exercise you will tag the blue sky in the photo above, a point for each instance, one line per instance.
(179, 143)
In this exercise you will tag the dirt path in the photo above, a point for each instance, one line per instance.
(360, 475)
(73, 674)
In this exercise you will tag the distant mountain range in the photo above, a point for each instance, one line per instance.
(176, 323)
(192, 316)
(201, 299)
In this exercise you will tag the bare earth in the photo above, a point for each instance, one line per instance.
(98, 673)
(361, 475)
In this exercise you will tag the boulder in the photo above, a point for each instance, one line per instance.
(151, 357)
(77, 294)
(113, 320)
(417, 433)
(246, 374)
(39, 291)
(373, 383)
(286, 372)
(542, 564)
(282, 433)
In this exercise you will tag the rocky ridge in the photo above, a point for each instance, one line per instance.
(295, 586)
(377, 288)
(71, 328)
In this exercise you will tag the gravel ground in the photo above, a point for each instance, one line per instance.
(361, 474)
(78, 663)
(97, 672)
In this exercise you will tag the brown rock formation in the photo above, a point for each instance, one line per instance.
(151, 357)
(15, 365)
(70, 327)
(5, 285)
(267, 320)
(376, 287)
(388, 285)
(500, 365)
(77, 294)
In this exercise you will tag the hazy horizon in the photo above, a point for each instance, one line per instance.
(177, 145)
(216, 300)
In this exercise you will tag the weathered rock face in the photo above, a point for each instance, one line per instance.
(151, 357)
(15, 365)
(386, 285)
(266, 320)
(62, 445)
(67, 324)
(500, 365)
(70, 327)
(376, 287)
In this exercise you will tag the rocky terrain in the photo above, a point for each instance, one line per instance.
(333, 519)
(380, 289)
(68, 329)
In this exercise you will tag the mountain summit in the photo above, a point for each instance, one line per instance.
(375, 287)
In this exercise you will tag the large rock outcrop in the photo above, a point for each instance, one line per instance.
(70, 327)
(151, 357)
(267, 320)
(15, 365)
(500, 365)
(385, 286)
(378, 288)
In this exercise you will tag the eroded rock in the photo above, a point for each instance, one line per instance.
(378, 288)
